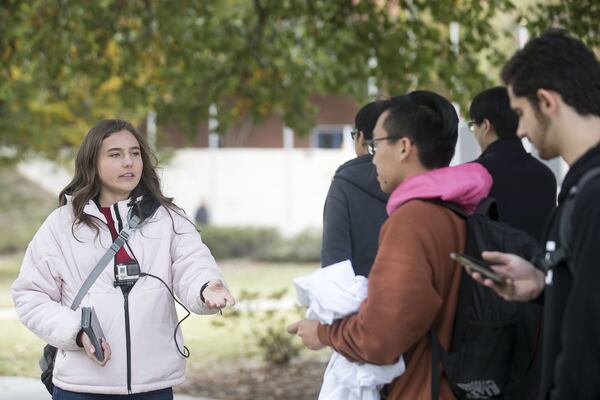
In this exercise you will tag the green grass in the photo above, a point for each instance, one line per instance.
(213, 340)
(261, 277)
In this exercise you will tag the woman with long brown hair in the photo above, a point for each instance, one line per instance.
(115, 179)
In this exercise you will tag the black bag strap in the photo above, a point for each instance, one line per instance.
(124, 235)
(435, 364)
(488, 207)
(439, 354)
(564, 223)
(554, 256)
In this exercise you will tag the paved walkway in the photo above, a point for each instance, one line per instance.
(19, 388)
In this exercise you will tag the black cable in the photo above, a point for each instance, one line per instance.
(186, 352)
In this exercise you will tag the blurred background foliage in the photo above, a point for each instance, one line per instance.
(64, 64)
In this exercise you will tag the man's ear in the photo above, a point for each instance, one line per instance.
(548, 101)
(406, 147)
(487, 126)
(360, 138)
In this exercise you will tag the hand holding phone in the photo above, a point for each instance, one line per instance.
(472, 264)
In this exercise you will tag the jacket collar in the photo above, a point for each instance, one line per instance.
(589, 160)
(502, 146)
(124, 208)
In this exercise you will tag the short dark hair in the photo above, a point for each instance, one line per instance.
(560, 62)
(429, 120)
(366, 118)
(494, 105)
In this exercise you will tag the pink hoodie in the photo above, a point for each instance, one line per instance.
(465, 185)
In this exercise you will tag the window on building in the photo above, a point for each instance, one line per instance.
(328, 137)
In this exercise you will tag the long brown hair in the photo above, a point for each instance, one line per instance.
(85, 184)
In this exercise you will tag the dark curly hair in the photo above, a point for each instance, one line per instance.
(560, 62)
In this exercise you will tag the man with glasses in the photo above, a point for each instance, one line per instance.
(524, 188)
(414, 284)
(355, 205)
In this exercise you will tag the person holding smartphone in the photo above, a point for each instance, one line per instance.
(115, 177)
(554, 87)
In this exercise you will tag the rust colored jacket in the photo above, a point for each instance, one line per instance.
(413, 287)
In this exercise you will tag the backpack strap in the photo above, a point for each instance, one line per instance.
(488, 207)
(564, 225)
(436, 350)
(438, 354)
(559, 253)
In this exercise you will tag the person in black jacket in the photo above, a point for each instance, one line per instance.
(554, 87)
(355, 205)
(525, 193)
(524, 188)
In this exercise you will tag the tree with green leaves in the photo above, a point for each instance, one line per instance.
(64, 64)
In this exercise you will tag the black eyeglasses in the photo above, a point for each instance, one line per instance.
(373, 142)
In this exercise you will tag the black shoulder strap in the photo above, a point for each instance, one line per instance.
(439, 354)
(449, 205)
(564, 222)
(489, 207)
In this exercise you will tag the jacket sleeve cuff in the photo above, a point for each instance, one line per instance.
(197, 305)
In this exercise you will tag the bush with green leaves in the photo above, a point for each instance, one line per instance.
(240, 242)
(304, 247)
(262, 244)
(268, 333)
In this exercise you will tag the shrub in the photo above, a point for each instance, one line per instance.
(237, 242)
(304, 247)
(262, 244)
(268, 334)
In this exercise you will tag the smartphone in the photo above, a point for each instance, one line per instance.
(480, 266)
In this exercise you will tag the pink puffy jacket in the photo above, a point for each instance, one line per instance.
(56, 264)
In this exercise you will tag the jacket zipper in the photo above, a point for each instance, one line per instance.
(126, 306)
(127, 339)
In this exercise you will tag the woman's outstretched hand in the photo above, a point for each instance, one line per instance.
(216, 295)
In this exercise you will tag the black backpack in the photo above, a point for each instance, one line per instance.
(493, 352)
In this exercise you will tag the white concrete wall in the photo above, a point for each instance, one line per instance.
(282, 188)
(267, 187)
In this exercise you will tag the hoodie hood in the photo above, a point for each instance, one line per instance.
(465, 185)
(361, 173)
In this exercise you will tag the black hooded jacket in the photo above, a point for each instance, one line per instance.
(571, 345)
(353, 214)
